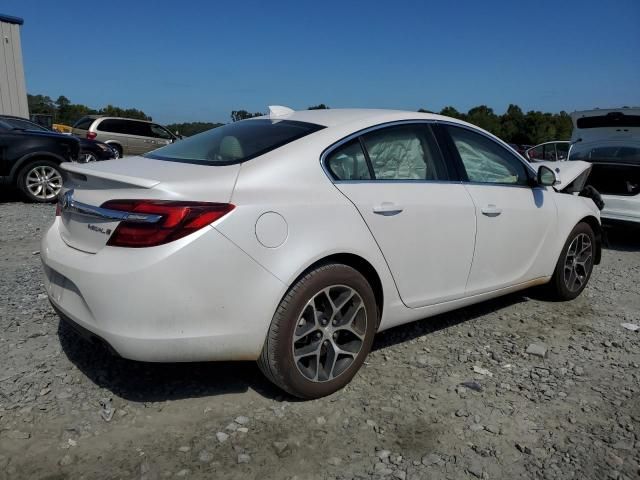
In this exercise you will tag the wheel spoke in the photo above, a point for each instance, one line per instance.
(329, 333)
(578, 262)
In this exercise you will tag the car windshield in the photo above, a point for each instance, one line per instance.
(235, 142)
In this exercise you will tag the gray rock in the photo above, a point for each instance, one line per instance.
(537, 349)
(281, 448)
(205, 456)
(578, 370)
(475, 469)
(241, 420)
(383, 454)
(492, 429)
(335, 461)
(222, 437)
(244, 458)
(432, 459)
(382, 469)
(66, 460)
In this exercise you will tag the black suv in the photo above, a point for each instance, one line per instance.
(30, 157)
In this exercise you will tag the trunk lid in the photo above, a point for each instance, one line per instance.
(86, 227)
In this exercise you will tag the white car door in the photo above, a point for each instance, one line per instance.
(423, 222)
(516, 219)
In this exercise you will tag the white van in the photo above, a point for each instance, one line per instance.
(610, 140)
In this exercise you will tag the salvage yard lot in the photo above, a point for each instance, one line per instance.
(70, 410)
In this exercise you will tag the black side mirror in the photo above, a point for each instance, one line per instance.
(546, 177)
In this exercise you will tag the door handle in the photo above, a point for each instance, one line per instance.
(387, 209)
(491, 211)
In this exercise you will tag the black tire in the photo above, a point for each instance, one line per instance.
(277, 359)
(570, 277)
(49, 193)
(117, 148)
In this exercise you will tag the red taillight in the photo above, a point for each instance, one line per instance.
(178, 219)
(91, 135)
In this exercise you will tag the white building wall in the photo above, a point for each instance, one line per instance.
(13, 92)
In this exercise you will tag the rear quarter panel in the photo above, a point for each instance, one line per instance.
(320, 220)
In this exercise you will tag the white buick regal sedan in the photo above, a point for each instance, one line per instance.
(291, 239)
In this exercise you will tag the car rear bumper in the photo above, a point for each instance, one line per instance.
(196, 299)
(621, 208)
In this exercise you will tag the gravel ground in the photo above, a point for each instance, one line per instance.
(455, 396)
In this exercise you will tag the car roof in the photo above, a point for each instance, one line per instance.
(105, 117)
(342, 116)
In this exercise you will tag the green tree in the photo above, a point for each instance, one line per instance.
(192, 128)
(485, 118)
(320, 106)
(512, 125)
(422, 110)
(237, 115)
(453, 113)
(112, 111)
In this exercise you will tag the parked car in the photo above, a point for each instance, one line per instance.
(548, 151)
(90, 150)
(30, 158)
(610, 140)
(291, 239)
(125, 135)
(517, 148)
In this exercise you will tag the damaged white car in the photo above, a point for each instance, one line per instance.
(610, 141)
(291, 239)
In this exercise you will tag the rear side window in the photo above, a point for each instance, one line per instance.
(404, 152)
(142, 129)
(235, 142)
(84, 123)
(486, 161)
(348, 162)
(113, 126)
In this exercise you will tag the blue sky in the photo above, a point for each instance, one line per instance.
(198, 60)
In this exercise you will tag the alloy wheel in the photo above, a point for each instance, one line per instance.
(329, 333)
(43, 182)
(578, 262)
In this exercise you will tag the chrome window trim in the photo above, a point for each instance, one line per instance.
(327, 151)
(69, 205)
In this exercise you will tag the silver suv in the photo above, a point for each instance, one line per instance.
(125, 135)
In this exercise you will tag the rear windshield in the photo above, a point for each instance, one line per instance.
(84, 123)
(614, 154)
(235, 142)
(613, 119)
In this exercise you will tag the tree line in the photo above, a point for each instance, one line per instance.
(513, 126)
(67, 113)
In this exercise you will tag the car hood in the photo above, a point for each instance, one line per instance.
(42, 133)
(566, 172)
